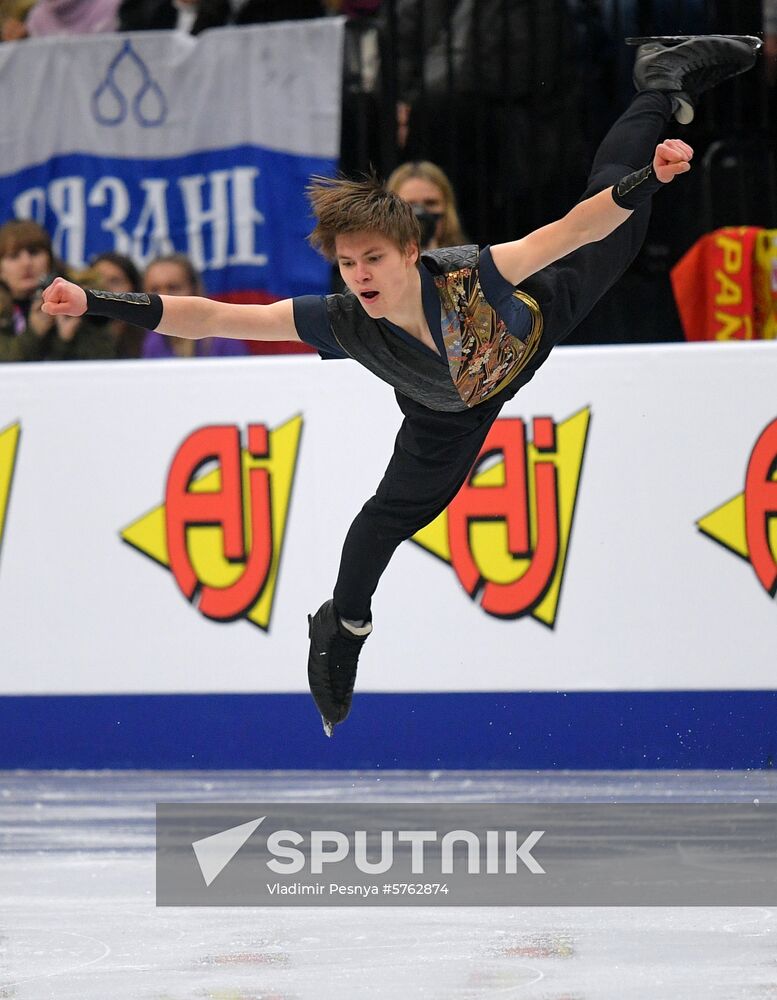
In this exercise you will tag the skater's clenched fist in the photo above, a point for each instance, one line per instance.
(673, 157)
(63, 298)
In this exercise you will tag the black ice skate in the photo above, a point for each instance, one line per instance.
(687, 65)
(332, 663)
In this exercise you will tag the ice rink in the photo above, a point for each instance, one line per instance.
(79, 920)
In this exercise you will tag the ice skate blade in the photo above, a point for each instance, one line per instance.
(754, 42)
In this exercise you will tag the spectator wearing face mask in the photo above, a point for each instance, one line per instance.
(431, 194)
(469, 74)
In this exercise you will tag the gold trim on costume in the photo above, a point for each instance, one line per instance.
(483, 356)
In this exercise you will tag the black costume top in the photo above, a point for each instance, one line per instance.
(483, 341)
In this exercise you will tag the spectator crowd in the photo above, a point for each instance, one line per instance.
(27, 260)
(28, 264)
(35, 18)
(435, 45)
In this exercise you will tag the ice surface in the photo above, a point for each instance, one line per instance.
(78, 919)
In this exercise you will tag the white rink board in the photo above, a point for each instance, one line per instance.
(648, 602)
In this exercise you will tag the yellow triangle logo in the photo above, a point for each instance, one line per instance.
(148, 534)
(9, 445)
(747, 524)
(726, 525)
(488, 539)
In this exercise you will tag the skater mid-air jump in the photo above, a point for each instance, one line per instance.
(456, 332)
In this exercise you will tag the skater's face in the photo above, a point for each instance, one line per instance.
(377, 271)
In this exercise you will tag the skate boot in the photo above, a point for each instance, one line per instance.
(685, 66)
(332, 663)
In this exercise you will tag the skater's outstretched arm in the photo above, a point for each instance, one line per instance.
(187, 316)
(589, 221)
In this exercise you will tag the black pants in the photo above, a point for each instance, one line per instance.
(435, 451)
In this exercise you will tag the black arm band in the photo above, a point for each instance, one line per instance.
(129, 307)
(635, 189)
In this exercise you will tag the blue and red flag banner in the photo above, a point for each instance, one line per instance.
(152, 143)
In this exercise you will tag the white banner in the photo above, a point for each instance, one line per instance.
(650, 509)
(152, 142)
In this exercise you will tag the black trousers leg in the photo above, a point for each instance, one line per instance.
(433, 454)
(631, 141)
(569, 289)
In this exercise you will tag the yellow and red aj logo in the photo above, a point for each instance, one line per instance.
(9, 445)
(221, 527)
(506, 534)
(747, 524)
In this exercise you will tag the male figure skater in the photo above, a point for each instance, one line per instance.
(457, 331)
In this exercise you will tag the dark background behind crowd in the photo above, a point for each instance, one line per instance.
(508, 97)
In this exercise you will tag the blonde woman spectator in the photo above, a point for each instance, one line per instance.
(431, 194)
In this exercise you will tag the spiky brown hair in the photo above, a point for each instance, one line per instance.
(341, 206)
